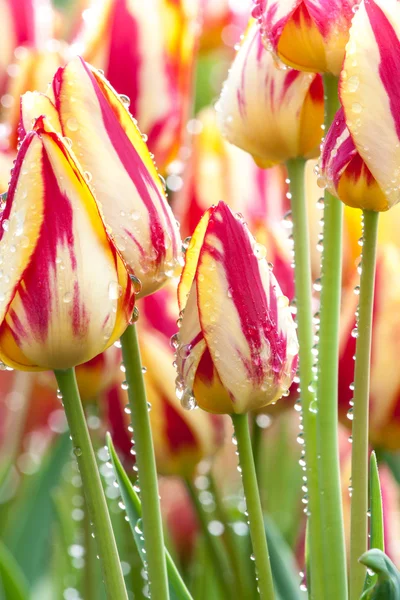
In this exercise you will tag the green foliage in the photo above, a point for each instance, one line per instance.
(13, 585)
(387, 585)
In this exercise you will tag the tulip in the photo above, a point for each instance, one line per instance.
(181, 438)
(345, 172)
(65, 294)
(148, 54)
(6, 164)
(237, 345)
(222, 23)
(309, 35)
(25, 23)
(271, 113)
(110, 148)
(220, 170)
(32, 70)
(368, 92)
(384, 401)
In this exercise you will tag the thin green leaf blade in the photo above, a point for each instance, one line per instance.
(178, 589)
(13, 584)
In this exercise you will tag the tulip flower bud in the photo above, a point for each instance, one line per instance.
(271, 113)
(146, 52)
(112, 151)
(384, 421)
(181, 439)
(345, 172)
(217, 169)
(309, 35)
(236, 350)
(65, 294)
(369, 155)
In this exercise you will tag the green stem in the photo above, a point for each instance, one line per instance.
(332, 531)
(92, 486)
(230, 540)
(359, 457)
(89, 578)
(145, 460)
(213, 549)
(257, 444)
(256, 519)
(305, 336)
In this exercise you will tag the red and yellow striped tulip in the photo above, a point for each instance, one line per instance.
(309, 35)
(181, 438)
(65, 293)
(346, 173)
(83, 106)
(385, 380)
(218, 170)
(271, 113)
(369, 93)
(24, 23)
(146, 52)
(236, 350)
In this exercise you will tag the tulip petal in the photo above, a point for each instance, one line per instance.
(370, 92)
(71, 295)
(257, 91)
(191, 260)
(33, 105)
(127, 186)
(254, 319)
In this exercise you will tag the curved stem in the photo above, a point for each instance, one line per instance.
(213, 549)
(92, 486)
(305, 336)
(256, 519)
(359, 458)
(334, 551)
(145, 460)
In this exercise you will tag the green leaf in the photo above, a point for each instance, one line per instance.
(13, 585)
(387, 586)
(178, 589)
(376, 521)
(27, 534)
(283, 564)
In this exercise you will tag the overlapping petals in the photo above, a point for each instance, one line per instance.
(345, 172)
(369, 92)
(147, 54)
(271, 113)
(84, 107)
(309, 35)
(65, 294)
(237, 346)
(384, 404)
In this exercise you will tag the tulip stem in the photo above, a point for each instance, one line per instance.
(332, 531)
(145, 460)
(359, 457)
(92, 486)
(302, 273)
(253, 503)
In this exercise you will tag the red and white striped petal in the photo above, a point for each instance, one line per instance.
(369, 91)
(346, 174)
(237, 344)
(309, 35)
(271, 113)
(115, 38)
(125, 181)
(65, 294)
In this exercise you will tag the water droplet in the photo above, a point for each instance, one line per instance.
(77, 451)
(72, 124)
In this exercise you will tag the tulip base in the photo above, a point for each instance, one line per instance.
(359, 457)
(92, 486)
(253, 503)
(145, 460)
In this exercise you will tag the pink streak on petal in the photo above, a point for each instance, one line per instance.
(389, 49)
